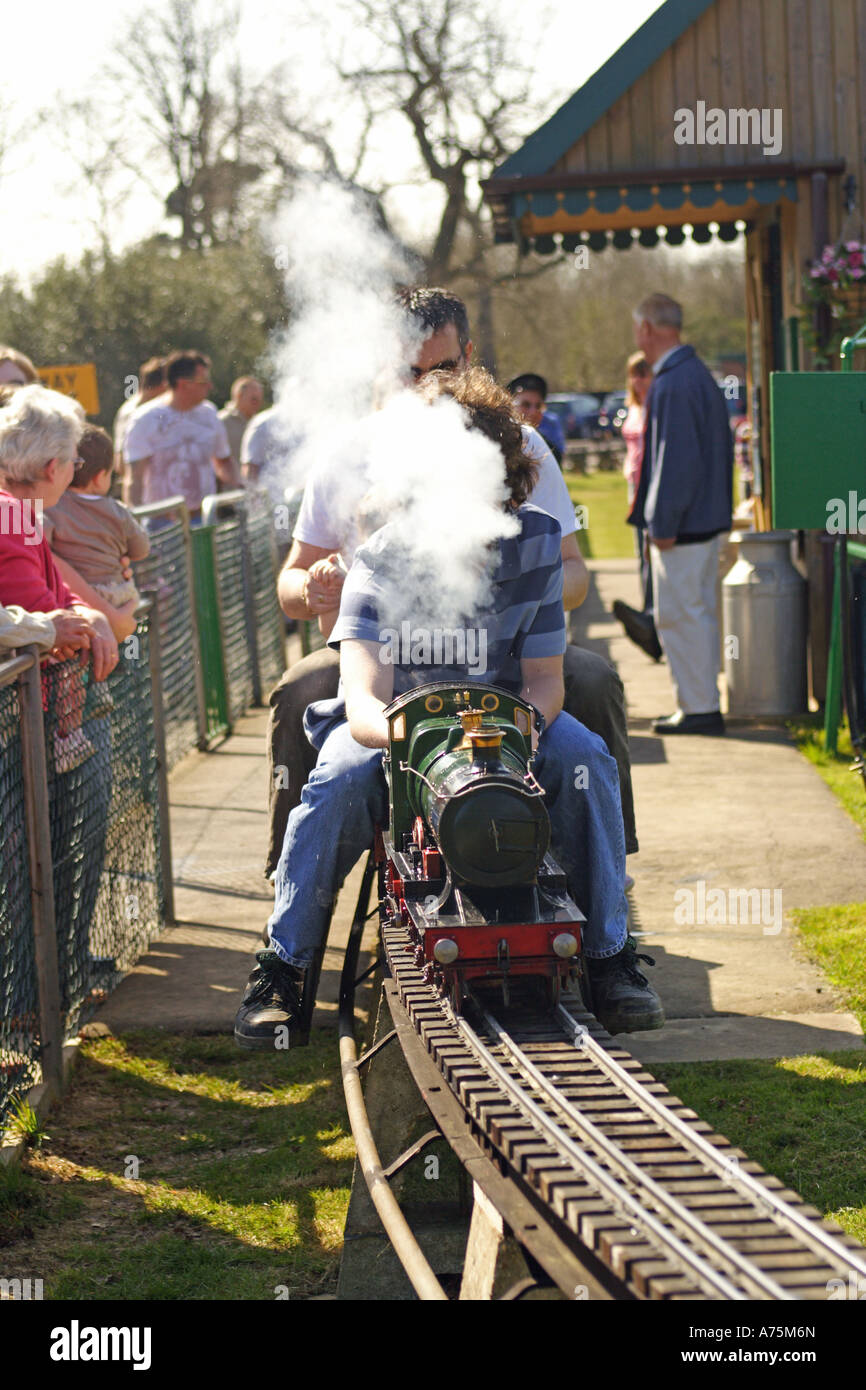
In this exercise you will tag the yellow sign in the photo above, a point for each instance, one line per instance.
(78, 382)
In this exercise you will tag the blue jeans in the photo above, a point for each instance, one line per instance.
(346, 798)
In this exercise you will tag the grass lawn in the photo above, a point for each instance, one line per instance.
(801, 1117)
(181, 1168)
(835, 768)
(605, 496)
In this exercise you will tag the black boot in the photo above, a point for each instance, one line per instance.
(271, 1007)
(622, 998)
(640, 628)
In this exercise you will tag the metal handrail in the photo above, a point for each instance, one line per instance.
(14, 666)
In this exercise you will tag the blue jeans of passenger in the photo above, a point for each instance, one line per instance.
(346, 798)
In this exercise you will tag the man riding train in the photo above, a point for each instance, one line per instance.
(344, 799)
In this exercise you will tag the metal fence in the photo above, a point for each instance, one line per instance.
(86, 859)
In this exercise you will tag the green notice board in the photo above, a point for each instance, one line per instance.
(818, 433)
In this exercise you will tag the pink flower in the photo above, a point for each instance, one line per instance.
(816, 272)
(832, 275)
(853, 246)
(855, 258)
(858, 273)
(827, 255)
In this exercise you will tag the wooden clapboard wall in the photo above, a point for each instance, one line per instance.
(805, 57)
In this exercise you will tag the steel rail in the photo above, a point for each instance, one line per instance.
(802, 1226)
(397, 1228)
(675, 1209)
(619, 1195)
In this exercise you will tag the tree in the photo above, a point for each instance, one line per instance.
(451, 72)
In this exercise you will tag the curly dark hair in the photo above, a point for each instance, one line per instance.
(433, 309)
(490, 410)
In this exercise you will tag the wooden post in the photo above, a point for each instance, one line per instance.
(41, 869)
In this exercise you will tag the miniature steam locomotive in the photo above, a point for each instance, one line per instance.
(466, 862)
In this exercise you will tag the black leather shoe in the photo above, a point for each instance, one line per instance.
(271, 1006)
(620, 996)
(679, 723)
(640, 628)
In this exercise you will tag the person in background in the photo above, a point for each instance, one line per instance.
(151, 383)
(247, 399)
(266, 450)
(638, 380)
(15, 368)
(683, 501)
(178, 445)
(530, 394)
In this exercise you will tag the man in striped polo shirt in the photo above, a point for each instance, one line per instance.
(522, 620)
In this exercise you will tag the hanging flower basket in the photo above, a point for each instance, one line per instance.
(836, 278)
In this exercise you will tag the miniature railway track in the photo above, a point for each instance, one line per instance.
(604, 1177)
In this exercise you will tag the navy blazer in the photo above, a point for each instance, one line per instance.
(686, 477)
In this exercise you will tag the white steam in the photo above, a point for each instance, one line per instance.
(340, 397)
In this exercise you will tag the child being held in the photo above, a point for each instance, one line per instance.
(91, 530)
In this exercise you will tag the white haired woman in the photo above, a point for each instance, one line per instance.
(39, 434)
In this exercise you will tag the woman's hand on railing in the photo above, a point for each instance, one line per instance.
(71, 633)
(102, 642)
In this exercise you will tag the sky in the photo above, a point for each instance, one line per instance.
(41, 213)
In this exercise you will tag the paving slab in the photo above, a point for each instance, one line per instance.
(734, 833)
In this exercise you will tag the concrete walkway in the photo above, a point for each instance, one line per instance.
(742, 813)
(192, 978)
(745, 812)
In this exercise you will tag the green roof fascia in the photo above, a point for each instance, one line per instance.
(550, 142)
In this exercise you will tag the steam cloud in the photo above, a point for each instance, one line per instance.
(341, 398)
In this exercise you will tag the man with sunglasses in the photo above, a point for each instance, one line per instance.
(311, 581)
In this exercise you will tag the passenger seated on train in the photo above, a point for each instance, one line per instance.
(310, 588)
(345, 797)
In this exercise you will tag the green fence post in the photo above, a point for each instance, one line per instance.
(207, 604)
(833, 700)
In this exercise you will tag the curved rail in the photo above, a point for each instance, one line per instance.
(397, 1228)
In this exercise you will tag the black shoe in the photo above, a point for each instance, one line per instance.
(270, 1010)
(679, 723)
(622, 998)
(640, 628)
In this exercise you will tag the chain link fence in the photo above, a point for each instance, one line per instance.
(19, 999)
(166, 573)
(84, 825)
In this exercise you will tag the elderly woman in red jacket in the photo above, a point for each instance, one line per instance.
(39, 434)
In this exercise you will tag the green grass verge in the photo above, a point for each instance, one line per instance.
(835, 937)
(834, 768)
(181, 1168)
(605, 496)
(802, 1118)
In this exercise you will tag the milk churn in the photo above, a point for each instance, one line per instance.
(764, 634)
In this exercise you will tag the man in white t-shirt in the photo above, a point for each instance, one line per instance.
(151, 383)
(309, 587)
(178, 445)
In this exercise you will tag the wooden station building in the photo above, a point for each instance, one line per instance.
(615, 163)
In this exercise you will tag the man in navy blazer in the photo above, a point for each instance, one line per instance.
(683, 501)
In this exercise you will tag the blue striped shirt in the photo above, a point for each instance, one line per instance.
(522, 618)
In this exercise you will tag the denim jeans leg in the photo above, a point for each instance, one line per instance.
(582, 797)
(341, 805)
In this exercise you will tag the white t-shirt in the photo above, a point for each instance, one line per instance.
(122, 422)
(181, 446)
(318, 521)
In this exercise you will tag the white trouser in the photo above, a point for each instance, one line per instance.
(685, 581)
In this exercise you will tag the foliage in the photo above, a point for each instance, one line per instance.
(118, 311)
(23, 1124)
(827, 283)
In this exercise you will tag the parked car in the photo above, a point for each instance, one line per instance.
(578, 413)
(613, 412)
